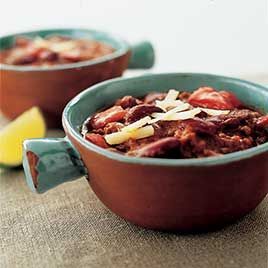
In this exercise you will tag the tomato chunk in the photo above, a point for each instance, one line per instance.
(114, 114)
(208, 97)
(97, 139)
(231, 98)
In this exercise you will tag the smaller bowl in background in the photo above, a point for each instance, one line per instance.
(52, 87)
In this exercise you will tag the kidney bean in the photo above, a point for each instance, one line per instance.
(25, 59)
(113, 127)
(22, 56)
(47, 55)
(152, 97)
(246, 130)
(200, 126)
(262, 121)
(235, 118)
(157, 148)
(127, 102)
(72, 55)
(58, 38)
(184, 95)
(22, 41)
(114, 114)
(139, 111)
(97, 139)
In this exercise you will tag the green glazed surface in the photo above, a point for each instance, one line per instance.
(142, 56)
(58, 162)
(105, 93)
(142, 53)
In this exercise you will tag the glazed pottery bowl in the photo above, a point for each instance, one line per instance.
(52, 87)
(166, 194)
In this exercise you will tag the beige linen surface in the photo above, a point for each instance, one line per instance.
(69, 227)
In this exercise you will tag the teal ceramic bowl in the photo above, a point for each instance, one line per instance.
(52, 87)
(166, 194)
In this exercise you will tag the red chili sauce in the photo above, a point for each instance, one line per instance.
(205, 123)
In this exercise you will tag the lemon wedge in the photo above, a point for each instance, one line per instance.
(28, 125)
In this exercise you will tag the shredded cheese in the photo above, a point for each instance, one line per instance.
(40, 42)
(214, 112)
(143, 132)
(55, 47)
(63, 46)
(172, 95)
(164, 116)
(134, 126)
(183, 115)
(164, 105)
(122, 136)
(117, 137)
(156, 115)
(169, 101)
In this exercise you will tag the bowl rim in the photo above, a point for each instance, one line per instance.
(206, 161)
(124, 48)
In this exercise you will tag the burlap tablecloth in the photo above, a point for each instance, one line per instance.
(69, 227)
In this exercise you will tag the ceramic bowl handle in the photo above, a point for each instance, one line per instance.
(50, 162)
(142, 56)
